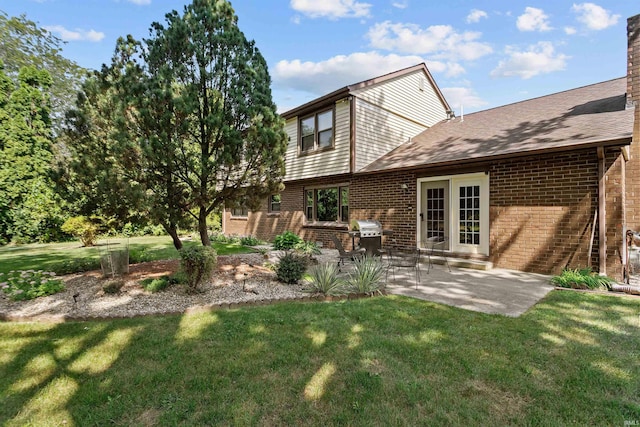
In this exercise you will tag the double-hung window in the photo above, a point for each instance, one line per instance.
(316, 132)
(329, 204)
(274, 202)
(241, 212)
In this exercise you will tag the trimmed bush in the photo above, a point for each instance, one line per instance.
(286, 241)
(367, 277)
(29, 284)
(324, 279)
(290, 268)
(197, 262)
(82, 228)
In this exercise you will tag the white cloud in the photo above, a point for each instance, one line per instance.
(332, 9)
(569, 31)
(462, 96)
(400, 4)
(533, 19)
(475, 15)
(594, 17)
(441, 41)
(140, 2)
(322, 77)
(540, 58)
(77, 35)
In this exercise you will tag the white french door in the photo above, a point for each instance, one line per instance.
(456, 207)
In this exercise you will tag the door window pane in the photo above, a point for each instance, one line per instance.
(469, 215)
(344, 204)
(435, 214)
(327, 204)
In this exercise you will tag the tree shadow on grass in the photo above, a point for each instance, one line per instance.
(374, 361)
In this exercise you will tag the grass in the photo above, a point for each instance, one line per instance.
(571, 360)
(48, 256)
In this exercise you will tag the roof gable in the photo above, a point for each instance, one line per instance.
(334, 96)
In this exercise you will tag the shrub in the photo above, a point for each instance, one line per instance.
(77, 265)
(286, 241)
(29, 284)
(197, 262)
(581, 278)
(137, 256)
(178, 278)
(367, 276)
(112, 286)
(308, 249)
(324, 279)
(249, 241)
(157, 284)
(290, 268)
(221, 238)
(82, 228)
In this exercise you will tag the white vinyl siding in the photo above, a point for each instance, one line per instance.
(410, 96)
(330, 162)
(379, 131)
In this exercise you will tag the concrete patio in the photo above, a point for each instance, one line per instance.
(494, 291)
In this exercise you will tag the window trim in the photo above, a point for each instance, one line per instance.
(271, 203)
(241, 216)
(314, 209)
(316, 148)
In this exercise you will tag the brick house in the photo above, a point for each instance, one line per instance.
(535, 185)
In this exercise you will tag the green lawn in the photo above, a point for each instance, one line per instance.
(48, 256)
(571, 360)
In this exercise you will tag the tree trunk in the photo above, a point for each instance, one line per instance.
(202, 227)
(172, 230)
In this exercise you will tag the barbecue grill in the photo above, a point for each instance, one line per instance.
(370, 233)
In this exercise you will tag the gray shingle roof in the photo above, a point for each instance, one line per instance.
(576, 118)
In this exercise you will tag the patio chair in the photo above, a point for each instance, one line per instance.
(435, 247)
(344, 255)
(403, 258)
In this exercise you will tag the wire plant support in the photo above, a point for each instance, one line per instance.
(114, 259)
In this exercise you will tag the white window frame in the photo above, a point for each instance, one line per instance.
(455, 182)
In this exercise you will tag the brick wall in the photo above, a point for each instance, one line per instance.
(266, 225)
(541, 210)
(633, 96)
(381, 197)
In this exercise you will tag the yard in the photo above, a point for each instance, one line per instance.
(52, 255)
(571, 360)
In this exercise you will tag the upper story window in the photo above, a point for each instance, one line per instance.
(316, 132)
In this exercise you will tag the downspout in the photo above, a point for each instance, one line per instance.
(623, 202)
(602, 214)
(352, 134)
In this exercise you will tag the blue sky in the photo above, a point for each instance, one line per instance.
(482, 54)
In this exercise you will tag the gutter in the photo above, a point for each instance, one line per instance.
(622, 142)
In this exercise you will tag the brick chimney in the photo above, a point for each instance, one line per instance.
(633, 61)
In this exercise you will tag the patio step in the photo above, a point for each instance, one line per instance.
(474, 264)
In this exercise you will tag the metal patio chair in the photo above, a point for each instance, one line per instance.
(403, 258)
(435, 247)
(344, 255)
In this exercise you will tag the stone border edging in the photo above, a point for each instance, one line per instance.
(63, 318)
